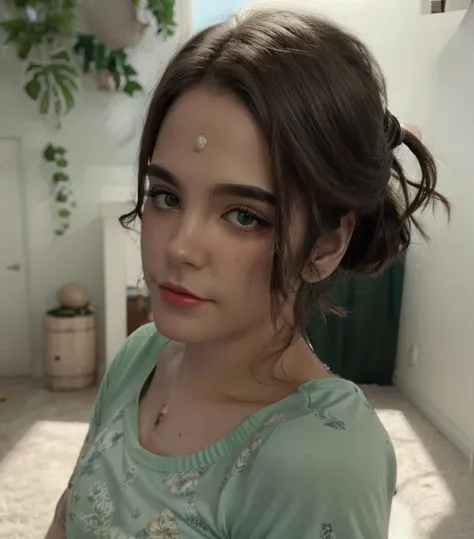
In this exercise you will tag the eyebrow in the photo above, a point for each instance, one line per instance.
(222, 189)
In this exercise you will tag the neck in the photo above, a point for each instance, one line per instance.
(240, 367)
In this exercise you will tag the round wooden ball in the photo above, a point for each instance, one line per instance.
(73, 296)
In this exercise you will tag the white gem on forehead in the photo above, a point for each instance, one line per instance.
(201, 142)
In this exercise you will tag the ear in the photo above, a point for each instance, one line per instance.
(329, 251)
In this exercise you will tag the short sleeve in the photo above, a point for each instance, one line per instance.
(96, 415)
(115, 375)
(318, 480)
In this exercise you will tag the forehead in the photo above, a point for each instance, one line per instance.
(235, 151)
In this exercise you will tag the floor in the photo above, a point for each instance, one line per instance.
(41, 432)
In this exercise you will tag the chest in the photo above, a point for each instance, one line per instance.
(185, 425)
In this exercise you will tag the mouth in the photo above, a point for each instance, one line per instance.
(177, 289)
(178, 296)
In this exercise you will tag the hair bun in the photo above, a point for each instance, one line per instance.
(395, 131)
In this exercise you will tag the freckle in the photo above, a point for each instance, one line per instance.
(179, 434)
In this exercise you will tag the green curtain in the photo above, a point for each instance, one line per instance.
(362, 346)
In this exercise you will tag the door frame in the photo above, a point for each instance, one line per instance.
(32, 371)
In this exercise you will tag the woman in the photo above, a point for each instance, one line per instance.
(266, 167)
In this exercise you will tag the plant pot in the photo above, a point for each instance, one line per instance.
(113, 22)
(106, 82)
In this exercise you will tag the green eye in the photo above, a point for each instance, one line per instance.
(171, 200)
(246, 220)
(165, 201)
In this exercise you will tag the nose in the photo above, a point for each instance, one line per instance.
(187, 245)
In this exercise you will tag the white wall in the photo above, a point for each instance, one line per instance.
(102, 136)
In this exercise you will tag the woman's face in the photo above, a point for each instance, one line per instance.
(208, 221)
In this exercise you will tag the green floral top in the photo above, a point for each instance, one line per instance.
(316, 465)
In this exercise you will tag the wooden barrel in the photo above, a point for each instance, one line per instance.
(70, 352)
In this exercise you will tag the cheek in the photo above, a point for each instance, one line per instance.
(251, 264)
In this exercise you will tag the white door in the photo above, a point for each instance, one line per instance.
(14, 315)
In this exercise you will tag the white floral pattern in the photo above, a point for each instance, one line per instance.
(190, 512)
(129, 479)
(275, 418)
(98, 523)
(185, 483)
(182, 482)
(326, 532)
(245, 455)
(164, 527)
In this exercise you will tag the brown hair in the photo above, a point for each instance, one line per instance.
(320, 100)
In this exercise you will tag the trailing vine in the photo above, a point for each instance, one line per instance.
(62, 192)
(55, 57)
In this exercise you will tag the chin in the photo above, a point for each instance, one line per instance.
(188, 328)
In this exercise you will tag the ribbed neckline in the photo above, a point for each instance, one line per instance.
(230, 443)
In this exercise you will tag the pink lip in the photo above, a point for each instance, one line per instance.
(178, 296)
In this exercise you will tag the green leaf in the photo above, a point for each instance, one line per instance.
(64, 213)
(61, 55)
(24, 49)
(163, 12)
(128, 71)
(60, 177)
(131, 87)
(68, 96)
(33, 89)
(57, 80)
(100, 59)
(62, 163)
(61, 198)
(85, 47)
(120, 56)
(49, 153)
(44, 103)
(57, 101)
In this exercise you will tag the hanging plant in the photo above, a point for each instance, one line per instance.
(62, 192)
(163, 12)
(110, 67)
(45, 39)
(37, 22)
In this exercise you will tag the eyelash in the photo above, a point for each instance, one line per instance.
(154, 191)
